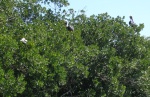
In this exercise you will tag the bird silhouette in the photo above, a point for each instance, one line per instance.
(131, 22)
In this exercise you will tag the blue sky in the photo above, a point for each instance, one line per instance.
(137, 8)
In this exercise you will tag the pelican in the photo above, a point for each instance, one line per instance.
(131, 22)
(69, 27)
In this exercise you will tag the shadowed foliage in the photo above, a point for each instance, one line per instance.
(102, 57)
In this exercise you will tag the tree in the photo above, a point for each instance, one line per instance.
(102, 57)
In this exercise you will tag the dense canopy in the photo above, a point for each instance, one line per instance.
(102, 57)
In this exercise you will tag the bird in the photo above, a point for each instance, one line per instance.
(23, 40)
(131, 22)
(69, 27)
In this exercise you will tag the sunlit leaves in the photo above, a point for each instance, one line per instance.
(9, 84)
(102, 57)
(8, 46)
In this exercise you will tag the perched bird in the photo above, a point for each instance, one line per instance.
(23, 40)
(131, 22)
(69, 27)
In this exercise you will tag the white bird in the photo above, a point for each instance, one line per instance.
(23, 40)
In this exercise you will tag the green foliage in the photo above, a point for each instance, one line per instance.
(103, 57)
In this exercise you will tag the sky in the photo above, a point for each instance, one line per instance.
(138, 9)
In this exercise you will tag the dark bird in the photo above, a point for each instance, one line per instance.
(131, 22)
(69, 27)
